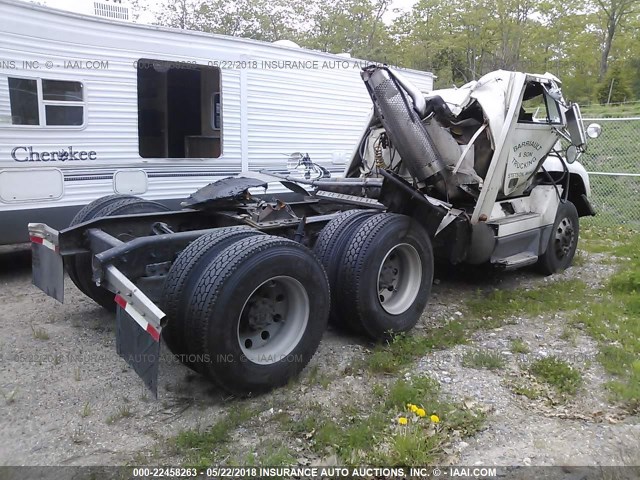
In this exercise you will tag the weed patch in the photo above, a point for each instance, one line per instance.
(484, 359)
(203, 448)
(408, 426)
(519, 346)
(558, 374)
(502, 304)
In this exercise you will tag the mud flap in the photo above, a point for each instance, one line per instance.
(138, 348)
(47, 268)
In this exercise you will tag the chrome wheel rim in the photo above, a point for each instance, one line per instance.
(399, 279)
(273, 320)
(564, 238)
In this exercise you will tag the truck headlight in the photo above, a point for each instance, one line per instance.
(594, 130)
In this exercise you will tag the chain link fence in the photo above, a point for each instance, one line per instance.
(613, 163)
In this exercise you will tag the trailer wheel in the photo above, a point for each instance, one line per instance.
(184, 273)
(330, 246)
(562, 242)
(86, 213)
(259, 312)
(387, 275)
(82, 263)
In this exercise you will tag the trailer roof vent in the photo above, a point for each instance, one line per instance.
(113, 9)
(286, 43)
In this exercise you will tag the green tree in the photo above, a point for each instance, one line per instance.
(352, 26)
(615, 88)
(614, 13)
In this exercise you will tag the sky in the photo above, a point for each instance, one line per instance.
(149, 15)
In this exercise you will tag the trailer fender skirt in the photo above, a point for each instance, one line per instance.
(139, 349)
(46, 261)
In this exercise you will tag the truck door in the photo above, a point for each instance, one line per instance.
(523, 141)
(532, 137)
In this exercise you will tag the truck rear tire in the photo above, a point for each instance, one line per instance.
(259, 312)
(387, 275)
(329, 248)
(85, 214)
(563, 241)
(112, 205)
(184, 274)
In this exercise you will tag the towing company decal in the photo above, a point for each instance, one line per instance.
(28, 154)
(525, 155)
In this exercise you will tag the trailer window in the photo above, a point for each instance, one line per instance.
(45, 102)
(23, 96)
(63, 115)
(61, 90)
(179, 110)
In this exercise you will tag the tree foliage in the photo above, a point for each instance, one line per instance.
(586, 43)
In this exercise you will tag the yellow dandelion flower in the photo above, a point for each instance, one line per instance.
(435, 418)
(410, 406)
(403, 420)
(414, 408)
(420, 412)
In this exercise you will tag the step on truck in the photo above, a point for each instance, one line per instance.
(240, 283)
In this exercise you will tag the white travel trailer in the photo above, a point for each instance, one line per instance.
(92, 106)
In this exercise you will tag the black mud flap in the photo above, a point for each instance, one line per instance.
(586, 209)
(48, 270)
(138, 348)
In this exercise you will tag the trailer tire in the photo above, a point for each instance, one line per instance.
(85, 214)
(330, 246)
(260, 309)
(183, 275)
(562, 242)
(387, 276)
(82, 263)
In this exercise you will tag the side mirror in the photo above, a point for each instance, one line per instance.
(571, 154)
(575, 127)
(594, 130)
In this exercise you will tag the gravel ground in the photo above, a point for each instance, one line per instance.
(70, 400)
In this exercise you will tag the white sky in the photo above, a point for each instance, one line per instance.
(149, 15)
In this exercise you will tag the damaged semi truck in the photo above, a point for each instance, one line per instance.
(241, 282)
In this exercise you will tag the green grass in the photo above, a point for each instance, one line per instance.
(203, 448)
(403, 349)
(372, 435)
(519, 346)
(485, 359)
(558, 374)
(315, 377)
(483, 311)
(610, 111)
(124, 411)
(86, 410)
(614, 240)
(613, 320)
(500, 305)
(526, 390)
(272, 454)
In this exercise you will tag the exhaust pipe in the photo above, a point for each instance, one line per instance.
(396, 107)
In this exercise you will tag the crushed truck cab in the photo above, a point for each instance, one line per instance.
(497, 155)
(241, 282)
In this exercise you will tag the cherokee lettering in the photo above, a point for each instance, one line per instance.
(28, 154)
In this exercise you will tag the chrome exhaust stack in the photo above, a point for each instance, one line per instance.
(399, 107)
